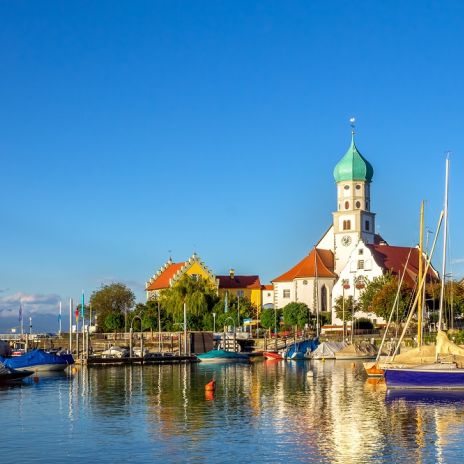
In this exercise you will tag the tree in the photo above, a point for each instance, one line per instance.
(270, 317)
(114, 321)
(199, 294)
(115, 298)
(347, 310)
(379, 296)
(296, 314)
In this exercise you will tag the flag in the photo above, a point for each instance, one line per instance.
(77, 313)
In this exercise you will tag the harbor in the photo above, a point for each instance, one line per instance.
(265, 411)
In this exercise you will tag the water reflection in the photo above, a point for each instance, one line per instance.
(266, 411)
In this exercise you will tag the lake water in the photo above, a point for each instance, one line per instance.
(262, 412)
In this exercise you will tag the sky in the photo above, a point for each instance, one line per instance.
(132, 131)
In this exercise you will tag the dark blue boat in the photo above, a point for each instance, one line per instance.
(39, 360)
(434, 376)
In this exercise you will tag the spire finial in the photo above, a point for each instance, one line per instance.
(353, 125)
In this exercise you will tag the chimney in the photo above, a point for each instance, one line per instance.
(232, 274)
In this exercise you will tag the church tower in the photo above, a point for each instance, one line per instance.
(353, 219)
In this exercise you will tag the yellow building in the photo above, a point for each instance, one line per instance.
(170, 273)
(241, 286)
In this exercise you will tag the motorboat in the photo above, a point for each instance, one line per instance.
(221, 356)
(39, 360)
(8, 375)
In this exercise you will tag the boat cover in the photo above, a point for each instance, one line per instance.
(36, 357)
(357, 350)
(301, 347)
(328, 349)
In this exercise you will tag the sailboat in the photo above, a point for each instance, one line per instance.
(443, 373)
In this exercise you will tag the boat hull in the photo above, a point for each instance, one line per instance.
(14, 376)
(272, 355)
(43, 368)
(417, 379)
(222, 356)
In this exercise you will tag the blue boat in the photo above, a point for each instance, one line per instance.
(300, 350)
(39, 360)
(432, 376)
(221, 356)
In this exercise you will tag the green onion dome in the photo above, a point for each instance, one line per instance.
(353, 166)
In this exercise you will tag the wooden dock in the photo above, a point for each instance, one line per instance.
(152, 360)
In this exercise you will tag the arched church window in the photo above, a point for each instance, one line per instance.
(358, 204)
(347, 225)
(347, 205)
(323, 298)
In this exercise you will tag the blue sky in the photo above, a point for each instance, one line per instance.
(128, 129)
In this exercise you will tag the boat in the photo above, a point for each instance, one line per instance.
(327, 350)
(39, 360)
(443, 373)
(356, 352)
(8, 375)
(115, 352)
(298, 350)
(222, 356)
(273, 355)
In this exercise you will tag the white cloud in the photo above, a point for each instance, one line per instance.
(31, 304)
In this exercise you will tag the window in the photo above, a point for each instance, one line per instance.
(367, 205)
(194, 276)
(358, 187)
(286, 294)
(358, 204)
(305, 282)
(269, 294)
(323, 298)
(347, 187)
(361, 251)
(361, 264)
(347, 225)
(347, 205)
(367, 225)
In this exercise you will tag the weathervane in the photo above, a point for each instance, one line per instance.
(352, 124)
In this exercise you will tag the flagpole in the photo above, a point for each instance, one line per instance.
(59, 320)
(70, 324)
(83, 323)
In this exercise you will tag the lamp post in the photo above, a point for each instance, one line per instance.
(141, 336)
(214, 322)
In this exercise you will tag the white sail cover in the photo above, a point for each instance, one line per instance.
(327, 350)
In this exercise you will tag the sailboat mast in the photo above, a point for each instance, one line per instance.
(445, 239)
(419, 277)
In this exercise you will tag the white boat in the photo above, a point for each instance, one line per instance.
(327, 350)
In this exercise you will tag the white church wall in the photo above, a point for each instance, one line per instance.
(360, 264)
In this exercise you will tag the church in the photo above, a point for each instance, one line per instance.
(350, 253)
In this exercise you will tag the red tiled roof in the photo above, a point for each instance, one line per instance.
(225, 281)
(319, 263)
(394, 259)
(162, 281)
(267, 287)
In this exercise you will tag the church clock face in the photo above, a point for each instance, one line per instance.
(346, 240)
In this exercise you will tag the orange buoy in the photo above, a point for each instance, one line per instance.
(210, 386)
(209, 395)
